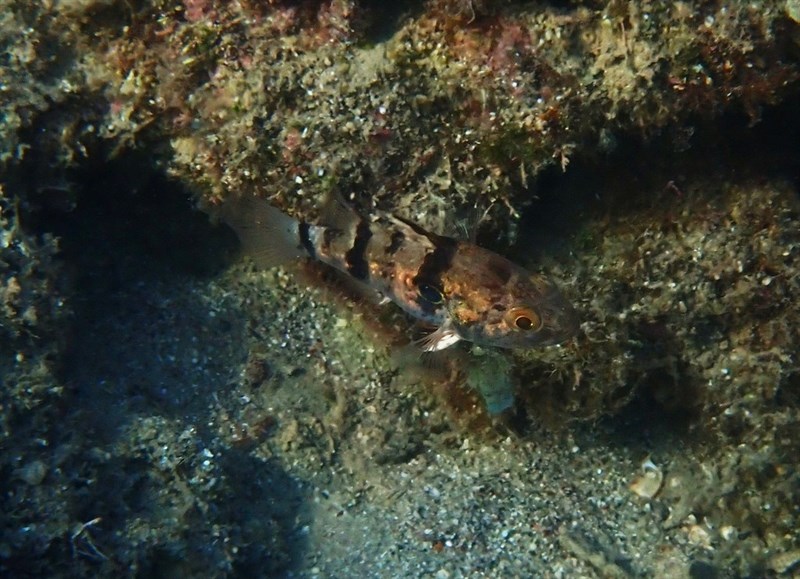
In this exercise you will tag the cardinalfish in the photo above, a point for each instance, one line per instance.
(464, 291)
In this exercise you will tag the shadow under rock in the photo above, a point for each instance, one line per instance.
(144, 335)
(148, 349)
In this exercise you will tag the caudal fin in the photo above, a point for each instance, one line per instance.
(268, 236)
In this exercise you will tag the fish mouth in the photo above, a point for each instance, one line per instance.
(569, 321)
(561, 323)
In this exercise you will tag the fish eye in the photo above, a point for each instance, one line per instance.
(431, 294)
(524, 319)
(523, 323)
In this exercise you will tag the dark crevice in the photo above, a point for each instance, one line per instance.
(122, 219)
(606, 180)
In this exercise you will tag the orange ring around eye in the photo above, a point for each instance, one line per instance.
(524, 319)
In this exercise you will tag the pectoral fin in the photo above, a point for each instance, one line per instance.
(444, 337)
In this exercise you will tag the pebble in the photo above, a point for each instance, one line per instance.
(33, 473)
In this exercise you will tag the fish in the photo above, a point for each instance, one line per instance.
(466, 292)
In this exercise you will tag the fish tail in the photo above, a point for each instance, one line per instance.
(267, 234)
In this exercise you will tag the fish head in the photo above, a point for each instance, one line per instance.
(529, 311)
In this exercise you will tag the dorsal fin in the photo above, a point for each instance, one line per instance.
(337, 213)
(434, 237)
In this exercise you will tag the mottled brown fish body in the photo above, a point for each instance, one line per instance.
(385, 254)
(492, 299)
(468, 292)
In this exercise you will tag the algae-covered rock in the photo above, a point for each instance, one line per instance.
(33, 312)
(164, 415)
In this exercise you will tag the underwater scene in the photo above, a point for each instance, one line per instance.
(424, 288)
